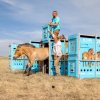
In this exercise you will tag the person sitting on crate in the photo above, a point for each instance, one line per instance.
(55, 23)
(57, 51)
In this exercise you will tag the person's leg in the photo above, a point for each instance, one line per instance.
(56, 33)
(56, 64)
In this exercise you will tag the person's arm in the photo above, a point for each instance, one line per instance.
(56, 23)
(54, 37)
(51, 24)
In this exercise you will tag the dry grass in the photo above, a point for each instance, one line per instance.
(16, 86)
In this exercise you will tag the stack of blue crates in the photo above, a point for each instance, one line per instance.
(20, 63)
(47, 39)
(77, 66)
(63, 70)
(45, 34)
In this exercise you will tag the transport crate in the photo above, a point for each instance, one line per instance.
(20, 63)
(82, 50)
(17, 64)
(81, 69)
(63, 64)
(45, 34)
(97, 56)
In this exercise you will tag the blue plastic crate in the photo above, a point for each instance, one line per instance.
(45, 34)
(87, 69)
(73, 68)
(98, 44)
(62, 67)
(78, 65)
(81, 69)
(97, 69)
(66, 67)
(73, 44)
(64, 48)
(36, 44)
(63, 62)
(87, 43)
(20, 63)
(52, 70)
(15, 64)
(98, 59)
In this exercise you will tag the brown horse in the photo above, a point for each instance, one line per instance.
(90, 55)
(32, 54)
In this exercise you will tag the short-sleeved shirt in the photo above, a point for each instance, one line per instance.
(56, 20)
(57, 48)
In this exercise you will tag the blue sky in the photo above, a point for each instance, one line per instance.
(22, 20)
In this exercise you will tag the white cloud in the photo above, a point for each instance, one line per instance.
(10, 2)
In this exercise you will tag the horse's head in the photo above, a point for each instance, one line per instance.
(91, 51)
(22, 49)
(18, 53)
(92, 54)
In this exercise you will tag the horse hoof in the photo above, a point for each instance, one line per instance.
(25, 72)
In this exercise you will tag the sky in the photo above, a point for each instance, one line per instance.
(22, 20)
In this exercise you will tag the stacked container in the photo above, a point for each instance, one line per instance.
(82, 56)
(20, 63)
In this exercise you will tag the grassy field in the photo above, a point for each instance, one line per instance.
(16, 86)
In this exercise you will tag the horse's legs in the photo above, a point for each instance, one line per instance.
(26, 69)
(30, 66)
(29, 69)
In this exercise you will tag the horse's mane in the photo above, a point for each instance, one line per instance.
(26, 44)
(90, 49)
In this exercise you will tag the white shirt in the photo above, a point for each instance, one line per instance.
(57, 48)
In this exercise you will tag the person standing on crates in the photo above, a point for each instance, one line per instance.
(55, 23)
(57, 48)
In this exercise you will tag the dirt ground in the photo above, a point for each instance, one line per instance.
(16, 86)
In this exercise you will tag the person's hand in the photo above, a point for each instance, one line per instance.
(49, 31)
(50, 23)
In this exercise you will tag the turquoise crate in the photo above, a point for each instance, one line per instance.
(81, 69)
(98, 44)
(87, 69)
(45, 34)
(36, 44)
(15, 64)
(62, 67)
(63, 64)
(97, 64)
(73, 57)
(20, 63)
(73, 44)
(66, 67)
(72, 68)
(98, 57)
(52, 70)
(64, 47)
(86, 43)
(82, 51)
